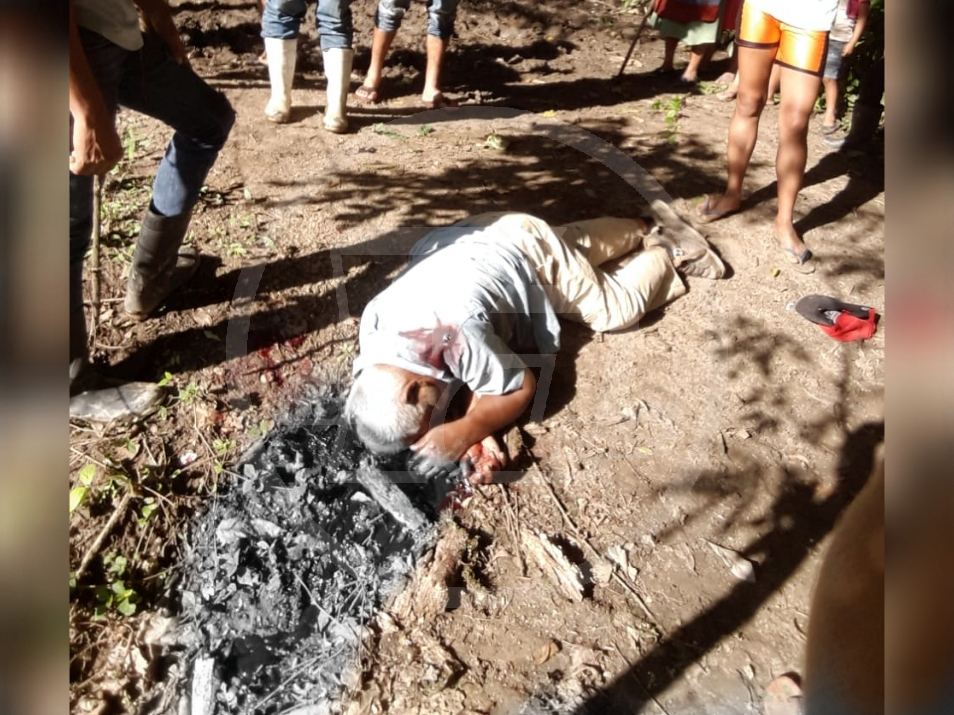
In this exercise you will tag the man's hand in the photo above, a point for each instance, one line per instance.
(439, 451)
(96, 145)
(848, 48)
(157, 17)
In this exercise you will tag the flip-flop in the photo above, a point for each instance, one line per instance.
(439, 101)
(802, 266)
(783, 696)
(705, 214)
(368, 95)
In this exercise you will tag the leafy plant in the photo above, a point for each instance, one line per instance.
(115, 595)
(671, 110)
(425, 130)
(78, 493)
(385, 131)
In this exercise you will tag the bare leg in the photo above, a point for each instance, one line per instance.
(697, 57)
(799, 90)
(436, 47)
(775, 81)
(755, 66)
(831, 101)
(670, 53)
(380, 45)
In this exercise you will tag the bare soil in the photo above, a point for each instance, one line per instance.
(726, 421)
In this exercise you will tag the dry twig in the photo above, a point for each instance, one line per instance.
(97, 544)
(596, 554)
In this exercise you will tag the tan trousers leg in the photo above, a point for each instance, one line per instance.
(568, 267)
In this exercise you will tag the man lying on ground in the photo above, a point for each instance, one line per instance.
(477, 295)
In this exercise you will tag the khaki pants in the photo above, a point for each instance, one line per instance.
(568, 261)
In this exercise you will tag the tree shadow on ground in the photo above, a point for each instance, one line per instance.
(537, 175)
(798, 520)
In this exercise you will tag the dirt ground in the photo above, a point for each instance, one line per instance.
(708, 453)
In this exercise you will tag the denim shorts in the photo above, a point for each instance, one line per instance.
(833, 59)
(282, 19)
(440, 16)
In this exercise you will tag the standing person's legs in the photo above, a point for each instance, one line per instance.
(281, 22)
(759, 35)
(440, 27)
(698, 55)
(830, 81)
(333, 18)
(387, 22)
(669, 57)
(801, 56)
(202, 118)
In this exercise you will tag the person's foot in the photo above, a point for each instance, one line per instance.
(437, 100)
(793, 247)
(687, 78)
(367, 94)
(783, 696)
(726, 78)
(829, 127)
(714, 208)
(690, 259)
(728, 95)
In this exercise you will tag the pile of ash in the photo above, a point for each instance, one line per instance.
(291, 560)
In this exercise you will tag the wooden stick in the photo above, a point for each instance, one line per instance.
(94, 256)
(639, 31)
(101, 536)
(615, 574)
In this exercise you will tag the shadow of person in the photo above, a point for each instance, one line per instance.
(799, 521)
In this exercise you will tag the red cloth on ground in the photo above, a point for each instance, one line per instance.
(688, 10)
(847, 327)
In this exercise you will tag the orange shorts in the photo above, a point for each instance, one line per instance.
(802, 50)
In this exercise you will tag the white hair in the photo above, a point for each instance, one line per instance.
(385, 424)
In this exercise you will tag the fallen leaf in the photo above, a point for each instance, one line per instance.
(546, 651)
(549, 113)
(738, 565)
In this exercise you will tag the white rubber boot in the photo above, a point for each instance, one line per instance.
(338, 75)
(281, 71)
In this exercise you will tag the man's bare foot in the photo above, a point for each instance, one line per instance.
(714, 208)
(783, 696)
(794, 248)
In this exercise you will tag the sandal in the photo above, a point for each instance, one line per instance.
(368, 95)
(705, 214)
(800, 264)
(439, 101)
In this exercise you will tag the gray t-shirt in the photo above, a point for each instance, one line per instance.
(467, 305)
(116, 20)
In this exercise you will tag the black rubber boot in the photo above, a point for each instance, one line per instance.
(94, 398)
(159, 265)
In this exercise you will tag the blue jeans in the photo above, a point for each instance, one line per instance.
(150, 82)
(282, 19)
(440, 16)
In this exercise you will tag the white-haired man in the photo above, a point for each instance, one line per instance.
(477, 295)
